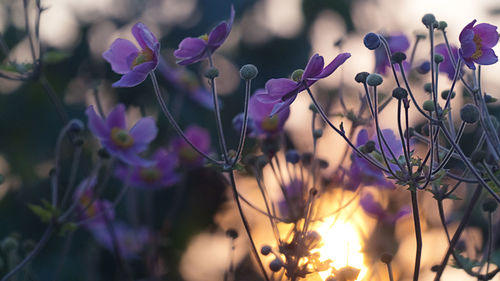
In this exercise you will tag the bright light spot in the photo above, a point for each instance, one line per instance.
(342, 245)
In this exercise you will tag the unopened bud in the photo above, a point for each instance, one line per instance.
(399, 93)
(361, 77)
(429, 106)
(371, 41)
(469, 113)
(374, 79)
(248, 72)
(211, 73)
(398, 57)
(428, 20)
(297, 75)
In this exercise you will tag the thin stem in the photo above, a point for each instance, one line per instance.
(389, 271)
(418, 234)
(245, 122)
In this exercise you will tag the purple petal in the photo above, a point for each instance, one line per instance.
(468, 46)
(466, 32)
(136, 76)
(362, 137)
(488, 57)
(116, 118)
(332, 66)
(277, 89)
(371, 207)
(398, 43)
(406, 210)
(118, 53)
(447, 65)
(96, 124)
(279, 107)
(488, 34)
(144, 131)
(470, 63)
(313, 67)
(144, 36)
(190, 47)
(217, 35)
(130, 157)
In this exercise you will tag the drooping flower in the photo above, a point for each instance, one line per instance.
(476, 43)
(118, 141)
(292, 206)
(447, 65)
(133, 63)
(161, 174)
(282, 92)
(187, 155)
(362, 172)
(193, 50)
(397, 43)
(374, 209)
(91, 211)
(131, 241)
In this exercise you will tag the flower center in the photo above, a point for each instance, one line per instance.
(86, 202)
(204, 37)
(479, 52)
(142, 57)
(121, 138)
(150, 175)
(188, 154)
(270, 124)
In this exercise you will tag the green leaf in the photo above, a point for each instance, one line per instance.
(43, 214)
(465, 262)
(67, 227)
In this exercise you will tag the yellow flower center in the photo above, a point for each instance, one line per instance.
(121, 138)
(270, 124)
(85, 202)
(479, 52)
(142, 57)
(150, 175)
(204, 37)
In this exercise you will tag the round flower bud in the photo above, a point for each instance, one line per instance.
(435, 268)
(438, 58)
(76, 126)
(323, 164)
(429, 105)
(368, 147)
(442, 25)
(276, 265)
(444, 94)
(398, 57)
(490, 205)
(292, 156)
(232, 233)
(318, 133)
(477, 156)
(297, 75)
(428, 20)
(469, 113)
(489, 99)
(374, 79)
(428, 87)
(313, 108)
(386, 258)
(9, 244)
(361, 77)
(424, 67)
(211, 73)
(371, 41)
(248, 72)
(399, 93)
(265, 250)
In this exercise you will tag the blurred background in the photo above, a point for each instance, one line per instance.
(278, 36)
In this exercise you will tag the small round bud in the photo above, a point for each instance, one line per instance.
(442, 25)
(399, 93)
(477, 156)
(489, 99)
(368, 147)
(248, 72)
(232, 233)
(445, 93)
(490, 205)
(429, 105)
(265, 250)
(374, 79)
(361, 77)
(313, 108)
(398, 57)
(428, 20)
(318, 133)
(469, 113)
(428, 87)
(211, 73)
(292, 156)
(313, 192)
(76, 126)
(297, 75)
(386, 258)
(424, 67)
(371, 41)
(435, 268)
(438, 58)
(103, 153)
(323, 164)
(276, 265)
(9, 244)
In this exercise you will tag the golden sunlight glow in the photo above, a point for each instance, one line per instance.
(342, 245)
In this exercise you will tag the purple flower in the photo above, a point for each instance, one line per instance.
(362, 172)
(193, 50)
(282, 92)
(90, 210)
(187, 155)
(113, 134)
(134, 64)
(161, 174)
(397, 43)
(374, 209)
(292, 208)
(447, 65)
(476, 43)
(131, 241)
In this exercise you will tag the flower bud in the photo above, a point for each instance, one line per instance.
(76, 126)
(399, 93)
(368, 147)
(489, 99)
(265, 250)
(318, 133)
(371, 41)
(248, 72)
(445, 93)
(438, 58)
(386, 258)
(469, 113)
(398, 57)
(276, 265)
(232, 233)
(297, 75)
(292, 156)
(211, 73)
(374, 79)
(313, 108)
(424, 67)
(442, 25)
(490, 205)
(428, 20)
(361, 77)
(429, 105)
(428, 87)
